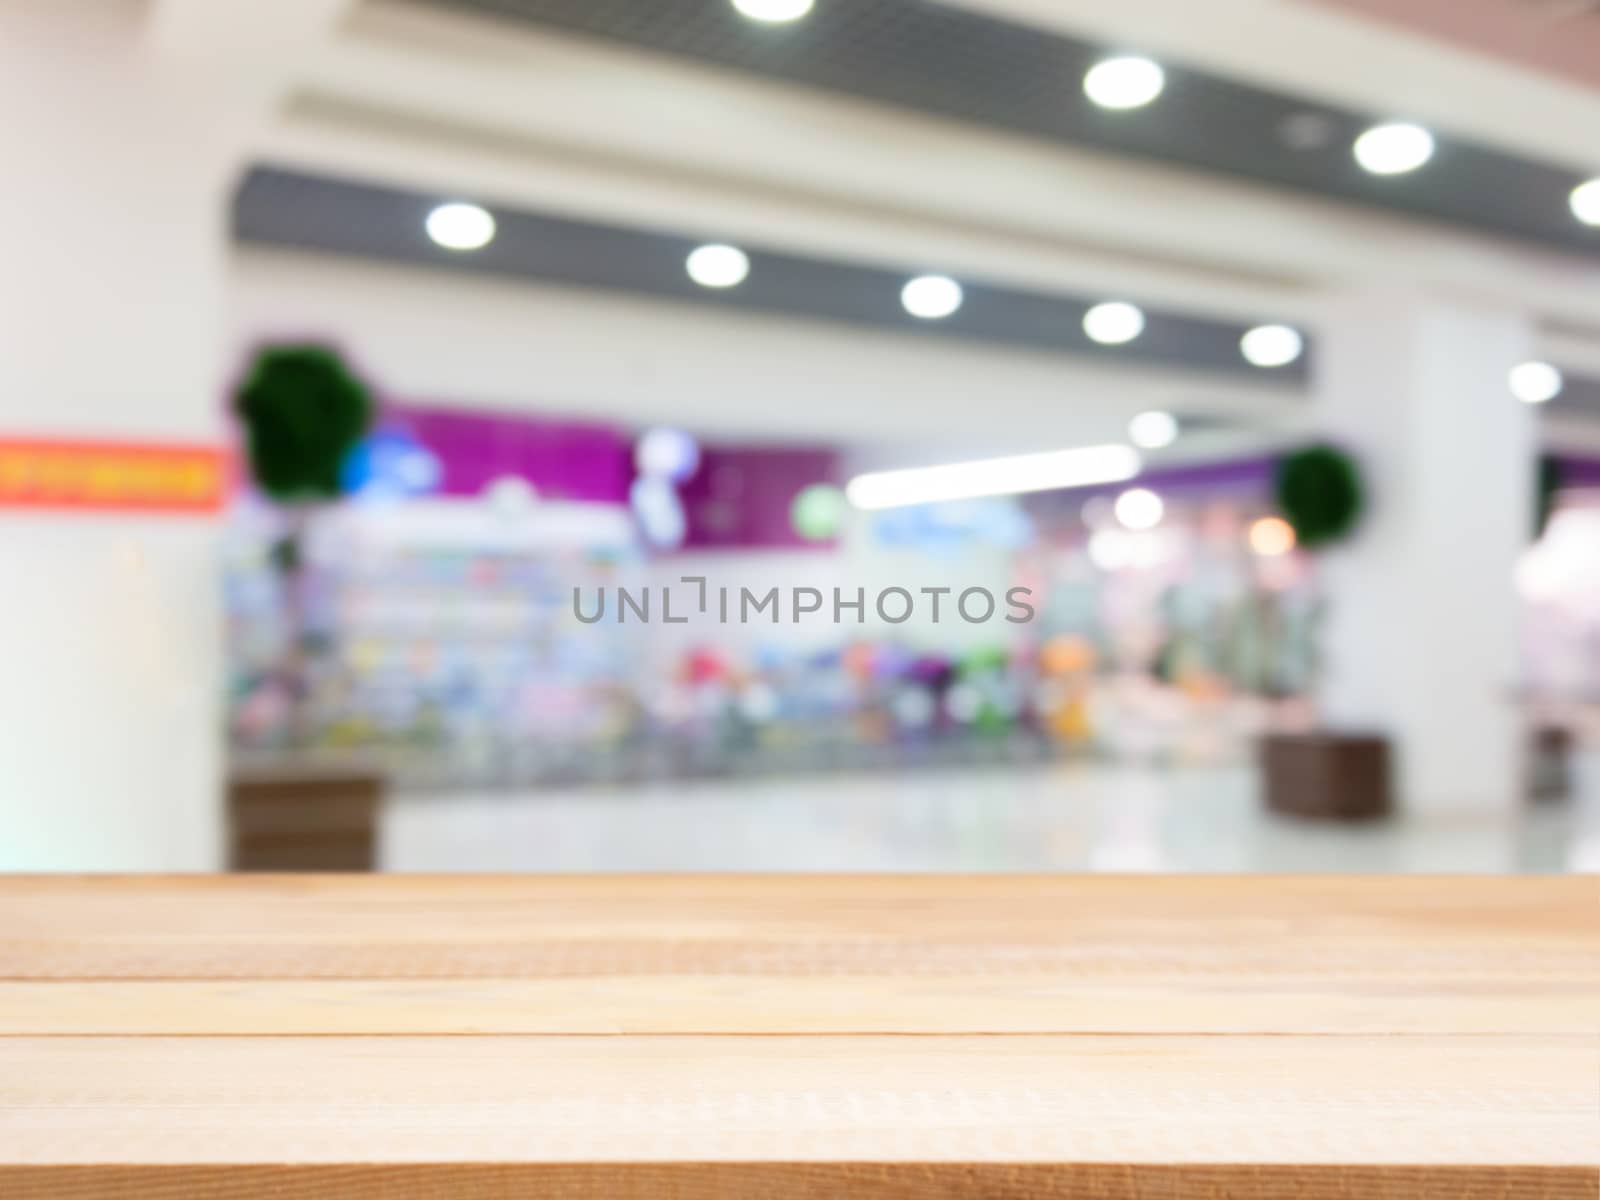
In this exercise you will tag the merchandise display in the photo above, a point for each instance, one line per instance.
(437, 630)
(443, 640)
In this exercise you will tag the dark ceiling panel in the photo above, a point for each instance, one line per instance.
(954, 63)
(319, 213)
(1580, 397)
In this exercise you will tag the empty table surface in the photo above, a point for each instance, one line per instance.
(722, 1036)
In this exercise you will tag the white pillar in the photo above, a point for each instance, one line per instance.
(112, 248)
(1421, 635)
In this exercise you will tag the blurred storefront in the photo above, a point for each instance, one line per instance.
(1171, 623)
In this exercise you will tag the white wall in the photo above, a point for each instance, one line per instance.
(111, 240)
(110, 694)
(1421, 641)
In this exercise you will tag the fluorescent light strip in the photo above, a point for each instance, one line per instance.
(994, 477)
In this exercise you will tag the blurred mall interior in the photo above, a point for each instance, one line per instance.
(1036, 435)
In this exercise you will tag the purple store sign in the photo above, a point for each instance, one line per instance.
(741, 497)
(563, 460)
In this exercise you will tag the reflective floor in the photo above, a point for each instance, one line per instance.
(1078, 818)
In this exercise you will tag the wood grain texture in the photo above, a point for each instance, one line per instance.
(997, 1003)
(731, 1037)
(1517, 1101)
(376, 927)
(797, 1181)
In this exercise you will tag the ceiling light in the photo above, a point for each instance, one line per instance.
(1008, 476)
(1140, 508)
(1153, 430)
(773, 11)
(1271, 346)
(718, 266)
(1586, 202)
(1393, 149)
(931, 297)
(1113, 323)
(1127, 82)
(1535, 382)
(461, 226)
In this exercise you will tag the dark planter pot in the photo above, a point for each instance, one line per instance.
(1327, 776)
(1550, 763)
(304, 819)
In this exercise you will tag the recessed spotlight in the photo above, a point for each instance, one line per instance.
(1113, 323)
(1153, 430)
(931, 297)
(1394, 148)
(1535, 382)
(718, 266)
(1586, 202)
(1125, 82)
(1140, 508)
(1271, 346)
(461, 226)
(773, 12)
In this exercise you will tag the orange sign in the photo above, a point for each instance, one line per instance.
(110, 475)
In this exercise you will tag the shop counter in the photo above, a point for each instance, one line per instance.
(731, 1036)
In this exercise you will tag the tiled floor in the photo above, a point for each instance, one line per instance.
(1041, 819)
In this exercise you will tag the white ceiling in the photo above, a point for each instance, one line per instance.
(406, 95)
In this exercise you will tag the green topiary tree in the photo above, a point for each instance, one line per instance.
(1319, 492)
(303, 411)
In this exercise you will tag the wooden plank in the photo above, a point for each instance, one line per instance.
(1420, 930)
(797, 1181)
(1105, 1037)
(1036, 1002)
(1418, 1101)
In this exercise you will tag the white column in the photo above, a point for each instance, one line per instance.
(1421, 636)
(112, 251)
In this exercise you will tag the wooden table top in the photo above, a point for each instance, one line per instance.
(728, 1036)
